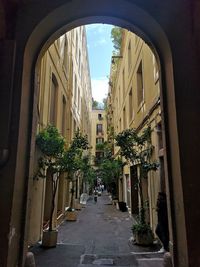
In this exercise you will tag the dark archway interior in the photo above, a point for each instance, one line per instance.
(36, 26)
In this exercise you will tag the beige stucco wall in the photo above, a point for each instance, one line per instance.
(65, 59)
(127, 113)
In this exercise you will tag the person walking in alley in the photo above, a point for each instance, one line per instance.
(95, 196)
(162, 226)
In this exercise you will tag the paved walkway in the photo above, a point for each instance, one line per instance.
(100, 237)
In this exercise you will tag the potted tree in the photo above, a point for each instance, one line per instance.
(137, 149)
(88, 174)
(71, 163)
(51, 144)
(110, 169)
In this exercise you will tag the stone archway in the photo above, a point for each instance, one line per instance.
(159, 25)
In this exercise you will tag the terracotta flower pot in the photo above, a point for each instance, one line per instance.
(49, 238)
(144, 239)
(71, 215)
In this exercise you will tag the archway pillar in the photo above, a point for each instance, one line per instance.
(180, 21)
(182, 136)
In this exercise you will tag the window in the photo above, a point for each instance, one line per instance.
(140, 89)
(79, 63)
(74, 129)
(99, 128)
(64, 122)
(100, 117)
(65, 61)
(76, 46)
(53, 101)
(155, 69)
(79, 99)
(99, 140)
(75, 89)
(129, 56)
(130, 105)
(160, 139)
(124, 117)
(123, 77)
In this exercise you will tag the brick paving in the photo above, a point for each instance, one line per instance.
(100, 237)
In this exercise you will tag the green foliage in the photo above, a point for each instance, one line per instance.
(105, 103)
(137, 149)
(141, 228)
(116, 36)
(72, 157)
(110, 170)
(100, 146)
(79, 141)
(87, 171)
(95, 104)
(50, 142)
(56, 159)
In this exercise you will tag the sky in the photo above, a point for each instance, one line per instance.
(100, 49)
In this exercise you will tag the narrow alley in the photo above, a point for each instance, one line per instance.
(100, 237)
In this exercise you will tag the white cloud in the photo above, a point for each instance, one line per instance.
(99, 88)
(100, 42)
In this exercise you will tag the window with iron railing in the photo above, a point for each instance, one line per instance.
(99, 129)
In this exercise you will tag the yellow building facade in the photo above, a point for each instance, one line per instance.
(134, 102)
(99, 134)
(65, 101)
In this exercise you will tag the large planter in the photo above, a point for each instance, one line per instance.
(78, 206)
(115, 201)
(49, 238)
(143, 239)
(71, 215)
(122, 206)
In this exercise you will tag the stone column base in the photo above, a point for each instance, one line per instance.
(167, 260)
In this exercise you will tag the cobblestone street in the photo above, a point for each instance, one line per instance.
(100, 237)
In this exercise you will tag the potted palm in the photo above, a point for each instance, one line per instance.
(51, 144)
(137, 149)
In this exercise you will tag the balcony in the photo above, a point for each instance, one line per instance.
(100, 134)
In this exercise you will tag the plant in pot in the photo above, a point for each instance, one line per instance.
(71, 163)
(88, 174)
(110, 169)
(137, 150)
(51, 144)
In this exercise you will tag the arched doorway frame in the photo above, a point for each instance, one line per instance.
(48, 24)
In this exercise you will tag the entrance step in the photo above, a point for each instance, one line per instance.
(149, 259)
(93, 260)
(151, 262)
(125, 260)
(94, 265)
